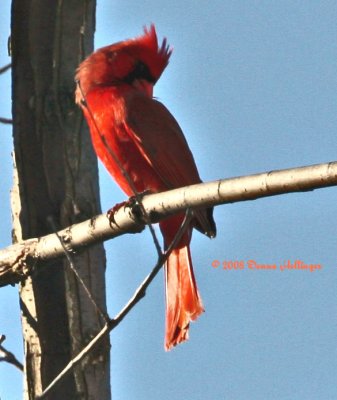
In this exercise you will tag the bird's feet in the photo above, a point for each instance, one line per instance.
(111, 213)
(134, 203)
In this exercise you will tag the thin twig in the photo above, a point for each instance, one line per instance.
(112, 323)
(6, 121)
(105, 330)
(71, 264)
(5, 68)
(141, 290)
(8, 356)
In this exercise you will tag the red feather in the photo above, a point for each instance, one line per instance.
(116, 82)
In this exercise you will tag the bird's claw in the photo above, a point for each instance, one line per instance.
(136, 206)
(133, 203)
(111, 213)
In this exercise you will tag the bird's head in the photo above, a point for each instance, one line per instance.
(138, 62)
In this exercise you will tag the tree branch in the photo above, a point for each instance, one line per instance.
(5, 68)
(2, 70)
(6, 121)
(17, 261)
(7, 356)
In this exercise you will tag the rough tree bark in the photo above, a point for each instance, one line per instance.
(56, 179)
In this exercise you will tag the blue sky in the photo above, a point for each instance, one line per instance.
(253, 86)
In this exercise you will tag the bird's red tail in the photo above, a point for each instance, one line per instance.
(183, 303)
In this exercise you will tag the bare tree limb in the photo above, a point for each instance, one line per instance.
(5, 68)
(7, 356)
(104, 331)
(17, 261)
(6, 121)
(2, 70)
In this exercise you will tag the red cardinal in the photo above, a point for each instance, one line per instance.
(115, 87)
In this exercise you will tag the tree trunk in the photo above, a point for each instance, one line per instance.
(56, 180)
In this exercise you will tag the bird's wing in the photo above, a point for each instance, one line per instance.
(161, 141)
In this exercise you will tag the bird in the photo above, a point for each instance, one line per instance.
(144, 149)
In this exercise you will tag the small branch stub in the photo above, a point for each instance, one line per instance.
(17, 262)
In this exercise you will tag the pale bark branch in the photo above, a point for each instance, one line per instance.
(17, 261)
